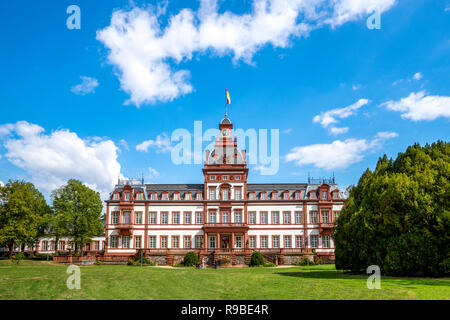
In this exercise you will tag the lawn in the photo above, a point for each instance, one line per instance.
(47, 280)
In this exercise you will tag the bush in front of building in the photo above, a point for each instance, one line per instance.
(190, 259)
(256, 259)
(397, 217)
(305, 262)
(18, 257)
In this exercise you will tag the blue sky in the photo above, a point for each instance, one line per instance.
(282, 76)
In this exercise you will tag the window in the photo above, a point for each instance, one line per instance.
(313, 217)
(97, 245)
(251, 196)
(274, 196)
(212, 178)
(62, 245)
(212, 217)
(286, 196)
(116, 196)
(152, 242)
(287, 217)
(252, 242)
(126, 241)
(187, 218)
(164, 242)
(336, 215)
(198, 242)
(263, 196)
(152, 217)
(153, 196)
(199, 217)
(275, 241)
(326, 241)
(115, 217)
(212, 194)
(176, 196)
(275, 217)
(225, 217)
(324, 195)
(199, 196)
(137, 242)
(238, 177)
(287, 242)
(165, 196)
(225, 194)
(187, 196)
(252, 217)
(263, 242)
(313, 241)
(164, 217)
(138, 218)
(139, 196)
(114, 242)
(297, 196)
(325, 216)
(238, 217)
(335, 195)
(127, 196)
(237, 194)
(225, 177)
(312, 195)
(211, 242)
(298, 241)
(187, 242)
(175, 217)
(264, 217)
(238, 242)
(175, 241)
(127, 217)
(298, 217)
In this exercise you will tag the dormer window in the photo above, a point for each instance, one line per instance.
(263, 196)
(176, 196)
(336, 195)
(139, 196)
(252, 196)
(116, 196)
(165, 196)
(127, 196)
(274, 196)
(324, 195)
(187, 196)
(199, 196)
(297, 196)
(285, 196)
(153, 196)
(312, 195)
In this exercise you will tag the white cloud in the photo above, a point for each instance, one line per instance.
(146, 54)
(51, 159)
(338, 154)
(1, 184)
(328, 118)
(162, 143)
(86, 86)
(418, 106)
(356, 87)
(336, 131)
(417, 76)
(287, 131)
(124, 144)
(447, 9)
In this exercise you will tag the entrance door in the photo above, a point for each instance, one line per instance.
(225, 242)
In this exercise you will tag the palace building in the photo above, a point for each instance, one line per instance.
(224, 218)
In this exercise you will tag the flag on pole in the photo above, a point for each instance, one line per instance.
(228, 96)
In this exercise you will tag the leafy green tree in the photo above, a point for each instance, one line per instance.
(23, 214)
(77, 213)
(398, 217)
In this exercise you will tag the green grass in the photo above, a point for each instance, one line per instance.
(46, 280)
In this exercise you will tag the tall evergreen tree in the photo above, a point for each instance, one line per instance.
(398, 217)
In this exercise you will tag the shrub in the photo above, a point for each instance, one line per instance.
(305, 262)
(269, 264)
(318, 261)
(190, 259)
(131, 262)
(256, 259)
(97, 262)
(18, 257)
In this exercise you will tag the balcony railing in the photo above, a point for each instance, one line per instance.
(123, 225)
(225, 225)
(326, 225)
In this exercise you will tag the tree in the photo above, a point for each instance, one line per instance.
(256, 259)
(23, 214)
(398, 217)
(190, 259)
(77, 213)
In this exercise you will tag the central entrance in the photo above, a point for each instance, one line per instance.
(225, 239)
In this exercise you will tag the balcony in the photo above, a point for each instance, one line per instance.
(325, 227)
(125, 229)
(231, 227)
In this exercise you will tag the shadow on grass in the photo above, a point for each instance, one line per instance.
(334, 274)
